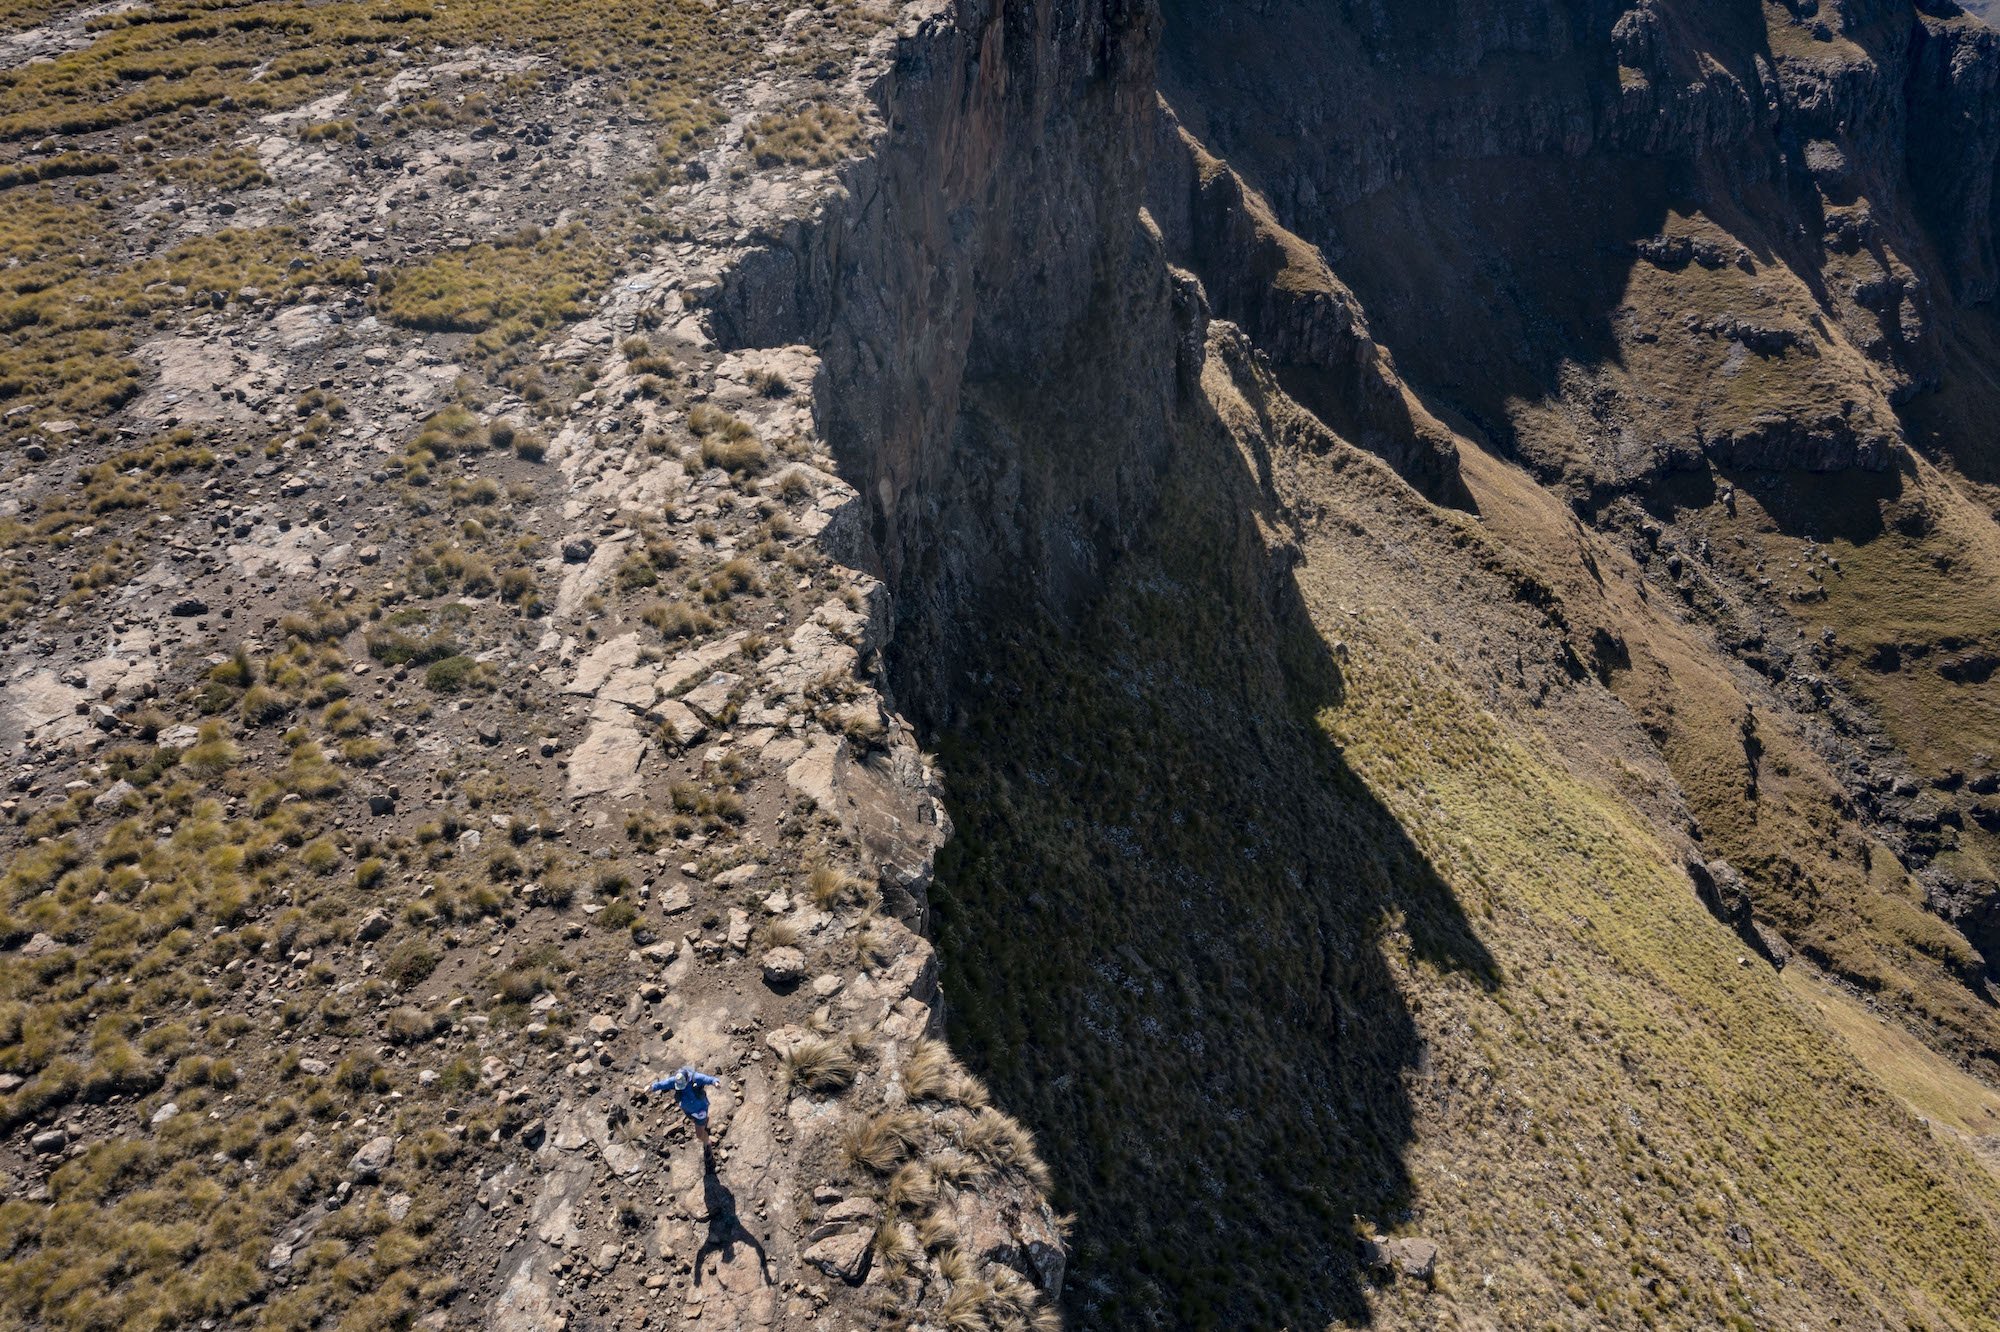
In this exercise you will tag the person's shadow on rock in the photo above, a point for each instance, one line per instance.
(725, 1228)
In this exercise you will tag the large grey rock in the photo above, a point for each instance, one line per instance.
(373, 1158)
(1409, 1256)
(844, 1255)
(784, 966)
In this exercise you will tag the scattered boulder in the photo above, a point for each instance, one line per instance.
(844, 1255)
(784, 967)
(373, 1158)
(680, 724)
(373, 926)
(711, 696)
(188, 607)
(844, 1216)
(1411, 1257)
(578, 550)
(49, 1141)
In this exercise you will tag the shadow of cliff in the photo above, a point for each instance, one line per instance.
(1167, 912)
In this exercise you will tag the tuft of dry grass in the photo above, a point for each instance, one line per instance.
(932, 1074)
(880, 1142)
(820, 1064)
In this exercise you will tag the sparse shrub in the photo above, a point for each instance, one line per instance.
(453, 675)
(408, 1025)
(931, 1074)
(677, 619)
(409, 964)
(828, 887)
(742, 455)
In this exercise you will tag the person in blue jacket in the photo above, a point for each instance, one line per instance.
(690, 1088)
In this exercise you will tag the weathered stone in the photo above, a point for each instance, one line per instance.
(373, 1158)
(711, 696)
(1408, 1256)
(373, 926)
(843, 1216)
(607, 762)
(680, 723)
(844, 1255)
(784, 966)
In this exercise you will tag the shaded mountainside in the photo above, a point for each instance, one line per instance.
(1722, 281)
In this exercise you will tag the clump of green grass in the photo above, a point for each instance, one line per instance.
(504, 292)
(455, 675)
(817, 136)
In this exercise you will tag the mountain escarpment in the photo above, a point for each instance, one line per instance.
(1469, 543)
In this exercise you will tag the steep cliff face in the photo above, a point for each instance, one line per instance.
(1296, 796)
(991, 252)
(1581, 203)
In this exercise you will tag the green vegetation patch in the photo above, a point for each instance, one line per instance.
(506, 291)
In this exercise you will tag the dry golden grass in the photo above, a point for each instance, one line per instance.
(819, 1064)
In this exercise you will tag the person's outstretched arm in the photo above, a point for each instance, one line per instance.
(664, 1084)
(704, 1080)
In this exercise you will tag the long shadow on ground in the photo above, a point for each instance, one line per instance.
(1164, 917)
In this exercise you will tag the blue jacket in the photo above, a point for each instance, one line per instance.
(689, 1087)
